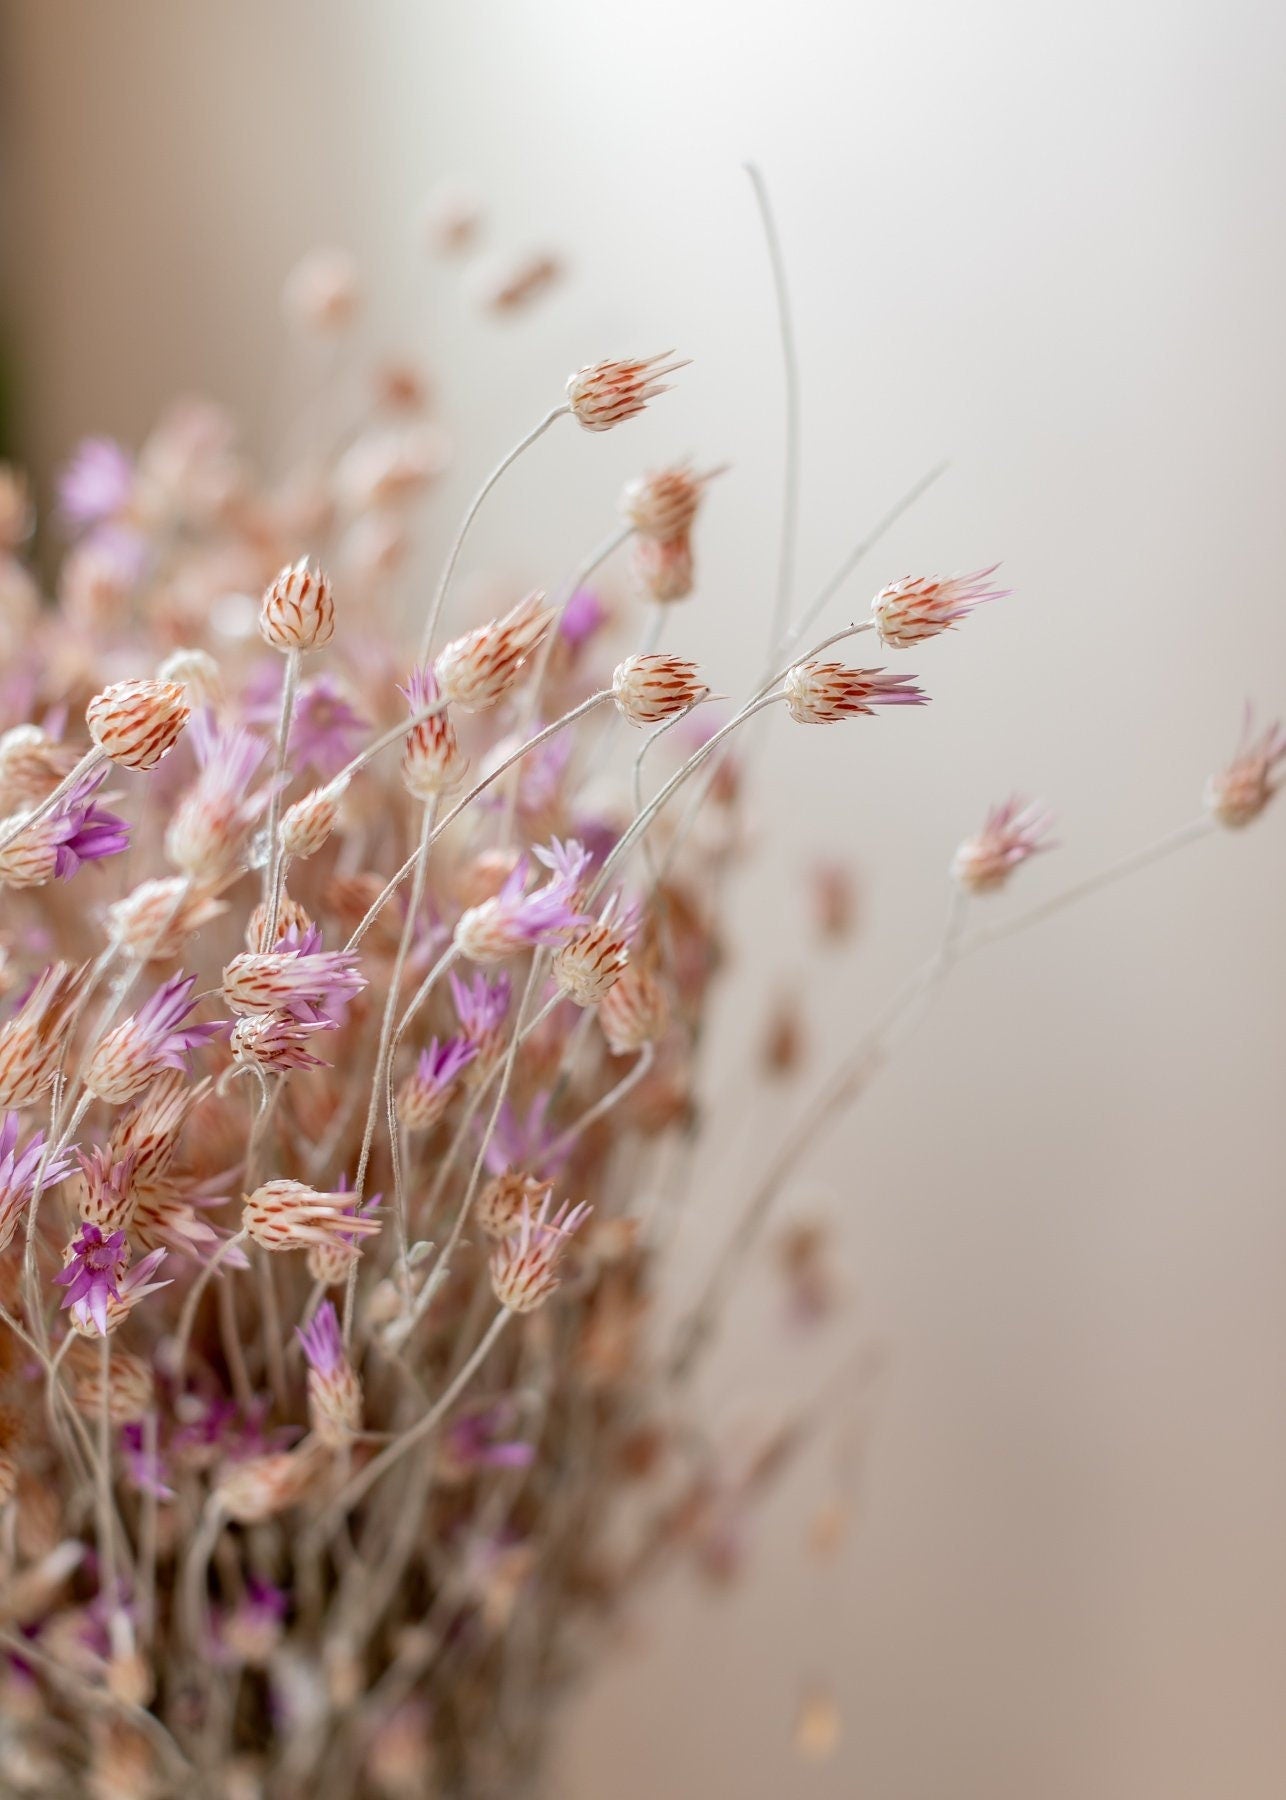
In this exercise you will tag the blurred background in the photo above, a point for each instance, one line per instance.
(1045, 243)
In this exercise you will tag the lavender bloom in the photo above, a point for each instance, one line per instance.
(155, 1038)
(481, 1006)
(84, 831)
(423, 1096)
(297, 976)
(97, 483)
(145, 1468)
(321, 1341)
(18, 1171)
(207, 834)
(514, 919)
(476, 1441)
(583, 615)
(326, 731)
(95, 1275)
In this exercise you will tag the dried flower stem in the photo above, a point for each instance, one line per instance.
(272, 868)
(790, 364)
(19, 827)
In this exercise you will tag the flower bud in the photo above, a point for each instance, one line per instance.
(498, 1208)
(663, 567)
(663, 503)
(607, 393)
(298, 611)
(821, 693)
(136, 723)
(307, 824)
(634, 1011)
(587, 968)
(287, 1215)
(525, 1265)
(477, 670)
(652, 688)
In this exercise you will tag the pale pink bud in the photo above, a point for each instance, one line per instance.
(607, 393)
(307, 824)
(322, 292)
(1011, 833)
(499, 1207)
(525, 1265)
(287, 1215)
(663, 503)
(392, 466)
(920, 606)
(634, 1012)
(136, 723)
(155, 920)
(33, 1041)
(131, 1387)
(1239, 793)
(298, 610)
(652, 688)
(432, 761)
(477, 670)
(197, 672)
(587, 968)
(291, 916)
(821, 693)
(663, 567)
(259, 1487)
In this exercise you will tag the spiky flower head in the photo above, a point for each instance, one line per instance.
(33, 1041)
(307, 824)
(106, 1189)
(278, 1041)
(99, 1292)
(136, 723)
(148, 1134)
(297, 974)
(920, 606)
(432, 761)
(426, 1093)
(207, 835)
(651, 688)
(1239, 793)
(821, 693)
(524, 1266)
(663, 503)
(514, 919)
(75, 832)
(155, 920)
(589, 964)
(607, 393)
(334, 1392)
(288, 1215)
(1011, 833)
(634, 1012)
(499, 1207)
(297, 611)
(477, 670)
(156, 1037)
(19, 1169)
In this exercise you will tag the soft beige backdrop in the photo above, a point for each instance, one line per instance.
(1045, 240)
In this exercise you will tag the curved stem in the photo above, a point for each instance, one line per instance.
(13, 829)
(790, 364)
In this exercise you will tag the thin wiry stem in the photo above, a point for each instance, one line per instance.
(453, 555)
(13, 829)
(790, 366)
(272, 869)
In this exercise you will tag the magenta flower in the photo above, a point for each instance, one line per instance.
(97, 483)
(477, 1440)
(515, 919)
(481, 1006)
(422, 1099)
(18, 1171)
(321, 1341)
(583, 615)
(95, 1276)
(525, 1141)
(155, 1038)
(81, 831)
(326, 730)
(297, 977)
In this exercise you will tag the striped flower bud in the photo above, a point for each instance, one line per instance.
(307, 824)
(477, 670)
(1238, 794)
(426, 1093)
(919, 607)
(663, 503)
(154, 921)
(131, 1387)
(432, 761)
(287, 1215)
(291, 917)
(587, 967)
(33, 1041)
(524, 1266)
(297, 611)
(822, 693)
(136, 723)
(663, 567)
(607, 393)
(652, 688)
(334, 1391)
(1011, 833)
(498, 1208)
(32, 764)
(155, 1038)
(634, 1012)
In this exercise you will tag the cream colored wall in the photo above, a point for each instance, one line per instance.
(1045, 241)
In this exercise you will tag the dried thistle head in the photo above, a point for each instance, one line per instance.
(651, 688)
(136, 723)
(822, 693)
(297, 611)
(477, 670)
(607, 393)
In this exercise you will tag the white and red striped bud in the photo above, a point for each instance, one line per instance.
(524, 1266)
(634, 1012)
(298, 610)
(136, 723)
(498, 1208)
(663, 503)
(664, 567)
(652, 688)
(288, 1215)
(607, 393)
(477, 670)
(587, 968)
(307, 824)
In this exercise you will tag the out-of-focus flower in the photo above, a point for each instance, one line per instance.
(136, 723)
(198, 674)
(288, 1215)
(1240, 792)
(97, 484)
(18, 1171)
(589, 964)
(481, 1006)
(260, 1487)
(426, 1093)
(297, 611)
(583, 616)
(664, 567)
(77, 831)
(607, 393)
(498, 1208)
(1011, 833)
(334, 1392)
(155, 920)
(298, 973)
(32, 763)
(432, 761)
(515, 919)
(136, 1051)
(817, 1726)
(206, 838)
(330, 1262)
(649, 689)
(480, 1440)
(477, 670)
(920, 606)
(326, 729)
(307, 825)
(251, 1630)
(33, 1041)
(392, 466)
(834, 895)
(278, 1040)
(510, 284)
(321, 293)
(130, 1391)
(99, 1292)
(525, 1266)
(821, 693)
(663, 503)
(452, 217)
(634, 1012)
